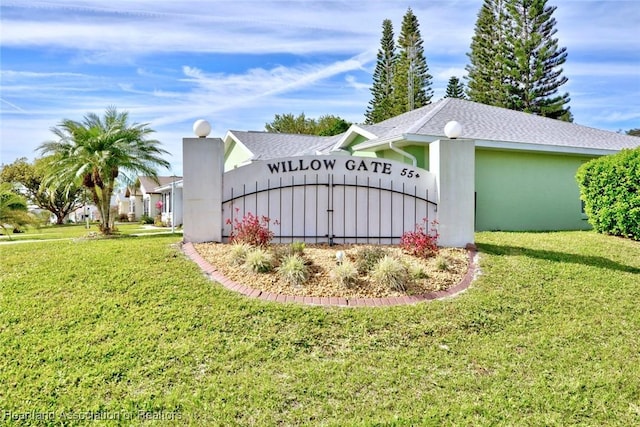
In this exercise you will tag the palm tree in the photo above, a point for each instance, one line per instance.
(13, 209)
(94, 152)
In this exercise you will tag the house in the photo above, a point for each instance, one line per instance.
(152, 198)
(525, 165)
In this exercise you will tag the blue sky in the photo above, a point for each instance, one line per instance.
(238, 63)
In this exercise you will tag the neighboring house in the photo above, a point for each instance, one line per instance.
(151, 198)
(525, 165)
(171, 197)
(122, 202)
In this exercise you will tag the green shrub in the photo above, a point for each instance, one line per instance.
(367, 257)
(259, 260)
(146, 219)
(392, 273)
(345, 273)
(293, 270)
(239, 253)
(610, 190)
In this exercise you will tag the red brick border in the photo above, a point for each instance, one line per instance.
(189, 250)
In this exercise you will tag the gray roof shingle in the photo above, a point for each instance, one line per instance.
(484, 122)
(268, 145)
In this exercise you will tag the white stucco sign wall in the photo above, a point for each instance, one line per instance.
(334, 199)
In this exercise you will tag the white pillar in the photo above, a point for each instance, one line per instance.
(203, 167)
(453, 163)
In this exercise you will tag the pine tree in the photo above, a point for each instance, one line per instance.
(515, 61)
(381, 105)
(412, 81)
(487, 76)
(537, 59)
(455, 88)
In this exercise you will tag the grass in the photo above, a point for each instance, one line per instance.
(74, 231)
(547, 335)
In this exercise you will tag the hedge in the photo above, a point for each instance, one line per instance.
(610, 189)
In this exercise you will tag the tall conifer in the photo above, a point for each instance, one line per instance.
(381, 105)
(515, 60)
(412, 81)
(455, 88)
(537, 59)
(487, 78)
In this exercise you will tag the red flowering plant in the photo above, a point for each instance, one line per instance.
(159, 205)
(421, 243)
(251, 229)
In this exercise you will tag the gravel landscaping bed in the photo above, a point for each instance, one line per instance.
(321, 260)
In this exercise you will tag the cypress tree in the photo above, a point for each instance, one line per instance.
(412, 81)
(455, 88)
(536, 63)
(381, 105)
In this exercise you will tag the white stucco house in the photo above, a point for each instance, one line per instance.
(152, 198)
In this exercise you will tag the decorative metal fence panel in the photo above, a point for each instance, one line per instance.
(330, 199)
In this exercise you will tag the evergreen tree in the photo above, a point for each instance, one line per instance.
(535, 67)
(455, 88)
(381, 105)
(515, 60)
(326, 125)
(487, 77)
(411, 81)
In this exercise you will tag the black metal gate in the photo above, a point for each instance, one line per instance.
(330, 208)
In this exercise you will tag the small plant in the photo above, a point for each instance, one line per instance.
(239, 253)
(367, 257)
(251, 230)
(420, 243)
(259, 260)
(392, 273)
(345, 273)
(297, 248)
(294, 270)
(442, 263)
(416, 272)
(146, 219)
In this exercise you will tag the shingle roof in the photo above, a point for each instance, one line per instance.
(149, 184)
(268, 145)
(484, 122)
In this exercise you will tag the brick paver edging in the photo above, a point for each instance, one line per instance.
(189, 250)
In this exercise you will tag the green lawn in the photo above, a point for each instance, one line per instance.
(74, 231)
(549, 334)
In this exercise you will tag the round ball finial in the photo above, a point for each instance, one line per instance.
(453, 129)
(201, 128)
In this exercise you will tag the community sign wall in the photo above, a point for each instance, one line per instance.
(330, 198)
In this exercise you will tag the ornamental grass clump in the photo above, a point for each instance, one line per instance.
(421, 243)
(345, 273)
(392, 273)
(442, 263)
(297, 248)
(367, 257)
(293, 270)
(259, 260)
(239, 253)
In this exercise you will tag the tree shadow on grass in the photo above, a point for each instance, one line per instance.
(594, 261)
